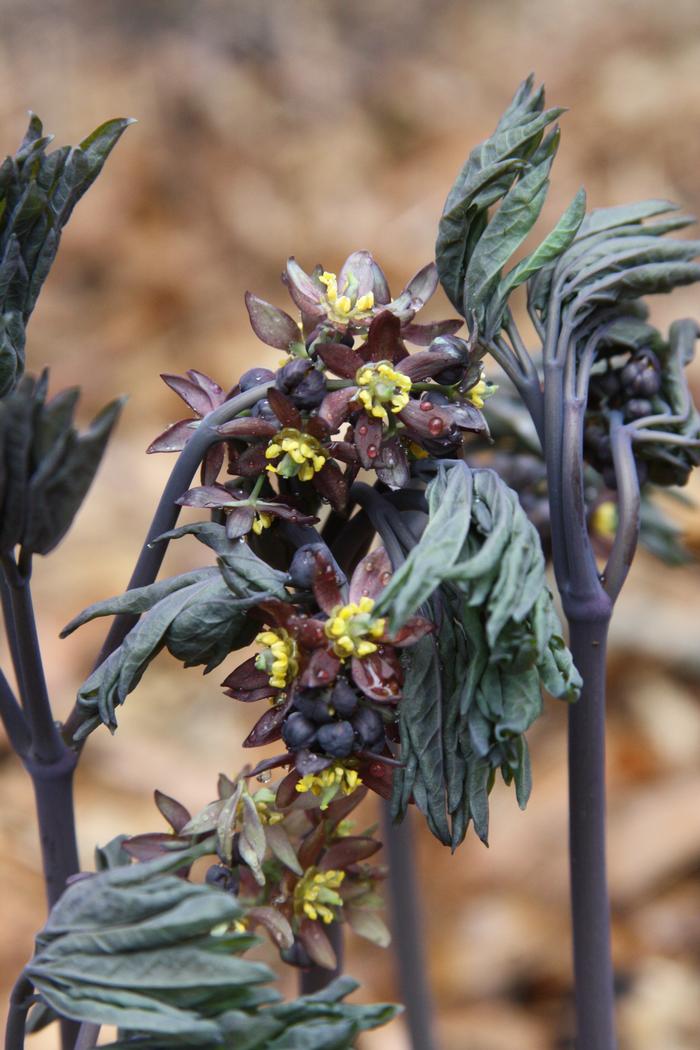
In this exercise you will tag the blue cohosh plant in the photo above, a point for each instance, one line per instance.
(392, 585)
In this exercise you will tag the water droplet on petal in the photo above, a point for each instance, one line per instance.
(372, 451)
(362, 430)
(377, 769)
(321, 675)
(265, 777)
(368, 566)
(435, 426)
(385, 577)
(426, 406)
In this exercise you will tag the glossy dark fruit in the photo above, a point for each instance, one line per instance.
(298, 731)
(369, 728)
(254, 377)
(343, 698)
(303, 566)
(222, 877)
(302, 382)
(337, 739)
(314, 704)
(637, 408)
(263, 410)
(641, 376)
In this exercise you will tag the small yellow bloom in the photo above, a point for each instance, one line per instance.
(346, 307)
(315, 895)
(279, 658)
(351, 626)
(336, 777)
(382, 387)
(299, 455)
(480, 391)
(261, 521)
(604, 519)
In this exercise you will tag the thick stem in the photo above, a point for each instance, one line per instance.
(593, 973)
(53, 791)
(407, 933)
(20, 1001)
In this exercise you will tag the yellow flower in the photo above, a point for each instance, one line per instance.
(261, 521)
(350, 628)
(279, 658)
(381, 387)
(315, 895)
(347, 306)
(604, 519)
(480, 391)
(329, 782)
(299, 455)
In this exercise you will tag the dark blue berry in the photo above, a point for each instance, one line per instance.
(337, 739)
(343, 698)
(369, 727)
(302, 382)
(313, 704)
(637, 408)
(298, 731)
(254, 377)
(263, 410)
(303, 567)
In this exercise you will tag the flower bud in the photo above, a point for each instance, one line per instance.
(302, 382)
(254, 377)
(298, 731)
(337, 739)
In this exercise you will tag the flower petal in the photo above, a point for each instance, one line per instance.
(268, 727)
(284, 408)
(384, 339)
(239, 522)
(378, 675)
(191, 392)
(206, 496)
(423, 334)
(213, 462)
(248, 426)
(272, 325)
(331, 483)
(391, 465)
(335, 407)
(367, 434)
(322, 669)
(371, 575)
(414, 629)
(366, 272)
(175, 437)
(340, 359)
(247, 683)
(303, 290)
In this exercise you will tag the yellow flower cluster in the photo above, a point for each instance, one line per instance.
(280, 658)
(315, 895)
(301, 455)
(382, 386)
(345, 780)
(341, 307)
(351, 626)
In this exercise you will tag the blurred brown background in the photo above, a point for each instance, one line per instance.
(276, 127)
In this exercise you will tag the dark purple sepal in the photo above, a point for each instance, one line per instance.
(340, 359)
(423, 334)
(391, 466)
(383, 339)
(335, 407)
(378, 675)
(271, 325)
(268, 728)
(322, 669)
(371, 575)
(284, 408)
(331, 483)
(174, 438)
